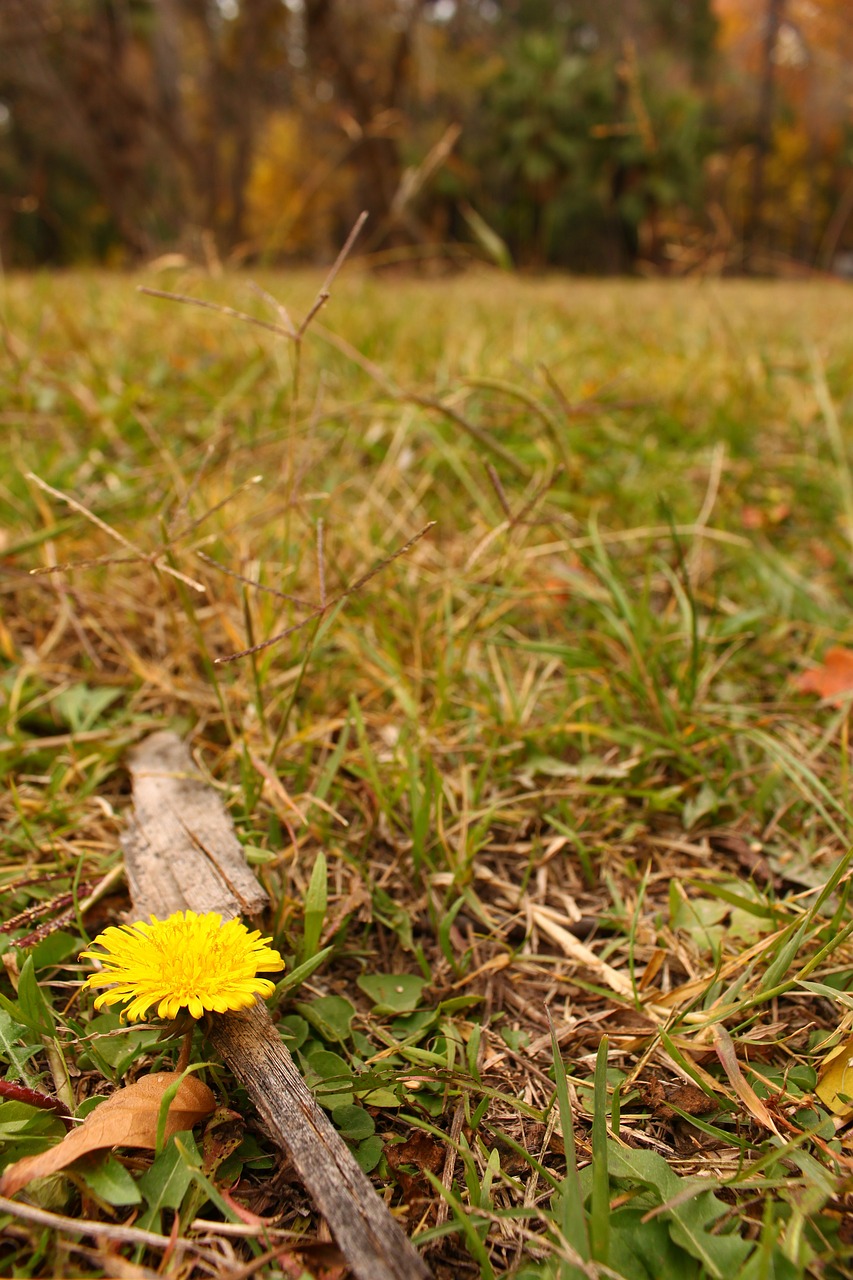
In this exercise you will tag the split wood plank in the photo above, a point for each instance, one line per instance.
(181, 852)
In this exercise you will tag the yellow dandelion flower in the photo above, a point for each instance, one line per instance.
(187, 961)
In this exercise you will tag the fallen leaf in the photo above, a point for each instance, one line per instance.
(760, 517)
(223, 1134)
(752, 517)
(748, 853)
(688, 1098)
(833, 678)
(835, 1084)
(127, 1119)
(419, 1149)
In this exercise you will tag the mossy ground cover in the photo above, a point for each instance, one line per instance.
(542, 787)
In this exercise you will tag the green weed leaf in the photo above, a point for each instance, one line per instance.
(644, 1249)
(353, 1123)
(331, 1016)
(297, 976)
(599, 1218)
(27, 1131)
(80, 708)
(690, 1219)
(167, 1181)
(330, 1077)
(393, 992)
(721, 1255)
(32, 1002)
(55, 949)
(112, 1182)
(293, 1030)
(114, 1053)
(12, 1051)
(316, 900)
(369, 1152)
(568, 1198)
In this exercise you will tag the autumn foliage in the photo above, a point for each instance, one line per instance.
(833, 678)
(653, 134)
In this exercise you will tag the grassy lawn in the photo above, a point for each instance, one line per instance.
(549, 767)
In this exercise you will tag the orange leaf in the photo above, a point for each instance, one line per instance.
(127, 1119)
(833, 679)
(752, 517)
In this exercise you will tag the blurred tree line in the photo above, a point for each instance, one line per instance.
(598, 135)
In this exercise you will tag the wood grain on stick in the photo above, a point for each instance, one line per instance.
(180, 848)
(181, 852)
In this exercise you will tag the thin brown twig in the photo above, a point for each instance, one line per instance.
(246, 1230)
(285, 330)
(153, 558)
(191, 488)
(277, 329)
(383, 564)
(84, 511)
(244, 1272)
(538, 492)
(499, 490)
(41, 908)
(217, 506)
(14, 1092)
(321, 565)
(442, 1209)
(346, 348)
(106, 1230)
(97, 562)
(338, 599)
(58, 904)
(325, 289)
(259, 586)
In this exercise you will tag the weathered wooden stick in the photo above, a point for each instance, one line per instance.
(372, 1241)
(181, 851)
(180, 847)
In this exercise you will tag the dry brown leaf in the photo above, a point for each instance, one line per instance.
(127, 1119)
(833, 678)
(419, 1149)
(688, 1098)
